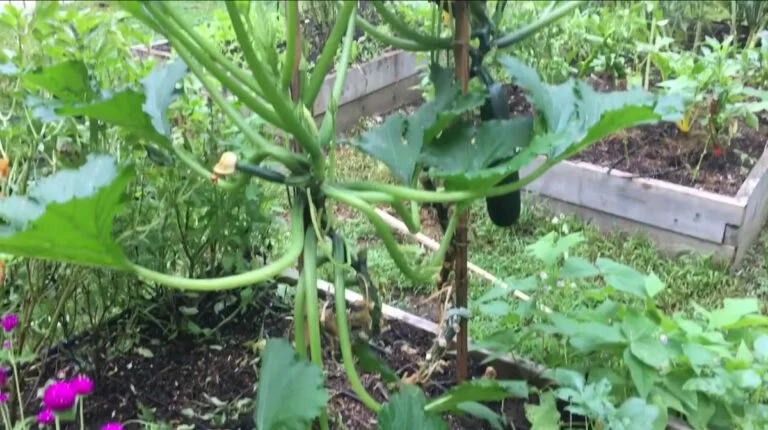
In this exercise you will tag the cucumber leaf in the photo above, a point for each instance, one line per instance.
(68, 217)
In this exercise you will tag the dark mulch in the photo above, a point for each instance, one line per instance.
(662, 152)
(174, 376)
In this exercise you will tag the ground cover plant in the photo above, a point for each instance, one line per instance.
(452, 153)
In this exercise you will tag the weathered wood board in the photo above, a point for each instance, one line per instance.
(676, 218)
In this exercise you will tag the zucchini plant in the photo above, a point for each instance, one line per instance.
(68, 217)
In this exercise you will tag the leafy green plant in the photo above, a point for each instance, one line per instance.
(469, 161)
(714, 94)
(708, 367)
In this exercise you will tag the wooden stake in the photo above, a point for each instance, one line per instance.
(461, 277)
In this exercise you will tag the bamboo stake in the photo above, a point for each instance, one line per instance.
(461, 275)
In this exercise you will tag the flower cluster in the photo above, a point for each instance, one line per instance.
(60, 397)
(9, 323)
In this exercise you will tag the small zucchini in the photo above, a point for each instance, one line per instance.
(503, 210)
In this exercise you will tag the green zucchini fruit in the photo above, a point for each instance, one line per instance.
(503, 210)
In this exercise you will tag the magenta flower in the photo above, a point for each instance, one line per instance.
(10, 322)
(46, 417)
(82, 385)
(7, 344)
(3, 398)
(59, 397)
(3, 376)
(112, 426)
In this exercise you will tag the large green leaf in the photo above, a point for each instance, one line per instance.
(144, 113)
(574, 116)
(545, 415)
(67, 81)
(761, 348)
(399, 140)
(388, 144)
(643, 376)
(588, 114)
(291, 392)
(577, 267)
(622, 277)
(635, 414)
(405, 410)
(68, 217)
(733, 310)
(464, 148)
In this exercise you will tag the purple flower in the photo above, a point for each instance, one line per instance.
(82, 385)
(7, 344)
(59, 397)
(46, 417)
(3, 376)
(3, 398)
(112, 426)
(10, 322)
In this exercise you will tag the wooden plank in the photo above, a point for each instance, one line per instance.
(380, 102)
(666, 241)
(687, 211)
(755, 191)
(367, 78)
(156, 50)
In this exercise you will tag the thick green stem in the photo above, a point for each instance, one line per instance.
(164, 13)
(424, 196)
(340, 302)
(408, 32)
(176, 34)
(325, 61)
(385, 234)
(393, 41)
(292, 10)
(293, 161)
(299, 314)
(280, 101)
(235, 281)
(515, 37)
(313, 309)
(327, 129)
(412, 222)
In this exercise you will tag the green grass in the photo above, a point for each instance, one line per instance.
(689, 278)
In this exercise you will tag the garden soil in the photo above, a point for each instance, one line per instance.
(662, 152)
(182, 380)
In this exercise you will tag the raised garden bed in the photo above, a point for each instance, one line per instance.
(721, 213)
(651, 190)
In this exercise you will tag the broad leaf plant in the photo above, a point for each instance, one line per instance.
(69, 216)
